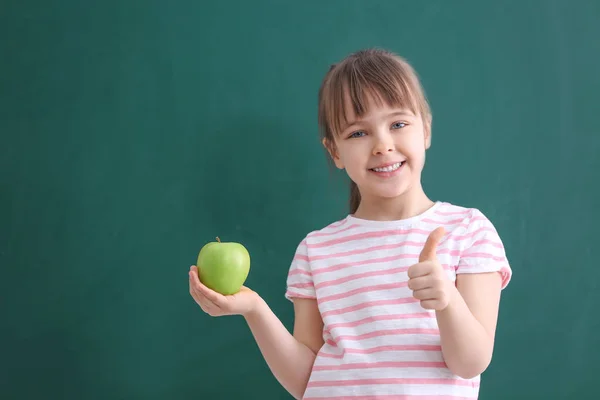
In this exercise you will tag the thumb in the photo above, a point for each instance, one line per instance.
(429, 250)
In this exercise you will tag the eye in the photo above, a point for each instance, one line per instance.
(356, 134)
(398, 125)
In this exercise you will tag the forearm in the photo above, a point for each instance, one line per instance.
(289, 360)
(466, 345)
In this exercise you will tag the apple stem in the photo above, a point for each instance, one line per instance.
(218, 240)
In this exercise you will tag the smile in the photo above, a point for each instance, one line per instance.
(389, 168)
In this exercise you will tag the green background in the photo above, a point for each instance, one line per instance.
(133, 132)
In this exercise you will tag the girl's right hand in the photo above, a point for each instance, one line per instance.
(216, 304)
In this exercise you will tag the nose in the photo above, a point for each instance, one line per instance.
(383, 144)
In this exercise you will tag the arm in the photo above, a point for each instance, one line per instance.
(467, 325)
(290, 358)
(466, 312)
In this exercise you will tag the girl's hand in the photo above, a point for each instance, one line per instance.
(427, 278)
(215, 304)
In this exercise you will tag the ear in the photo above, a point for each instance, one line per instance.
(331, 149)
(427, 132)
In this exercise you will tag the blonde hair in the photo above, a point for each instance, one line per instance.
(380, 73)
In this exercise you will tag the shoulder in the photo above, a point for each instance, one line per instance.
(329, 231)
(459, 217)
(299, 282)
(454, 211)
(476, 239)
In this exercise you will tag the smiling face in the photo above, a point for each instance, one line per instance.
(375, 122)
(382, 150)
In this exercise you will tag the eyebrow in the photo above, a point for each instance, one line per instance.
(392, 114)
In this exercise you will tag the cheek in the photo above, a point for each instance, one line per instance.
(415, 149)
(352, 167)
(354, 163)
(350, 156)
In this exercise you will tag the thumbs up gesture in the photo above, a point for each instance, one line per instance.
(427, 278)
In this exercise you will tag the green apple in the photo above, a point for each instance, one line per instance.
(223, 266)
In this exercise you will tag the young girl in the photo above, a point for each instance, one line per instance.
(398, 300)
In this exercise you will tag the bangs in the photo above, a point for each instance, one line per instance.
(384, 79)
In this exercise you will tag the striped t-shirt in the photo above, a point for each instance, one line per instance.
(379, 342)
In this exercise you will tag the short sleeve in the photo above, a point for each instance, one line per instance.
(299, 279)
(483, 250)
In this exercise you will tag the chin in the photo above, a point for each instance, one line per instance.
(391, 196)
(391, 193)
(390, 189)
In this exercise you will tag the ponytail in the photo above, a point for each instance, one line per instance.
(354, 197)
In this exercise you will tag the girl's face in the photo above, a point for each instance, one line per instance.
(383, 151)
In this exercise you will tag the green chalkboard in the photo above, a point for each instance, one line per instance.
(133, 132)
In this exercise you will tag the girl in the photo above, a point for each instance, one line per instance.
(398, 300)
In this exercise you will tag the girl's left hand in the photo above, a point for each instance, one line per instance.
(427, 279)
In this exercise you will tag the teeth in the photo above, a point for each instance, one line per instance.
(389, 168)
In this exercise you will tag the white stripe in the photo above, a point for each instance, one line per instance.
(387, 340)
(375, 373)
(358, 391)
(388, 355)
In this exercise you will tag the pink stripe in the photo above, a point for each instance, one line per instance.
(491, 243)
(298, 271)
(392, 317)
(503, 270)
(366, 304)
(320, 234)
(395, 257)
(394, 381)
(445, 251)
(382, 364)
(441, 223)
(484, 255)
(474, 233)
(381, 349)
(394, 397)
(464, 213)
(301, 285)
(388, 332)
(359, 276)
(301, 257)
(361, 262)
(404, 244)
(368, 235)
(372, 288)
(384, 247)
(361, 251)
(337, 224)
(291, 293)
(454, 221)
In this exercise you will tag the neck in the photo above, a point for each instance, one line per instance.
(407, 205)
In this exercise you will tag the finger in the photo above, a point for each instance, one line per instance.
(429, 250)
(210, 309)
(216, 298)
(206, 305)
(195, 293)
(418, 283)
(195, 287)
(419, 269)
(431, 304)
(426, 294)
